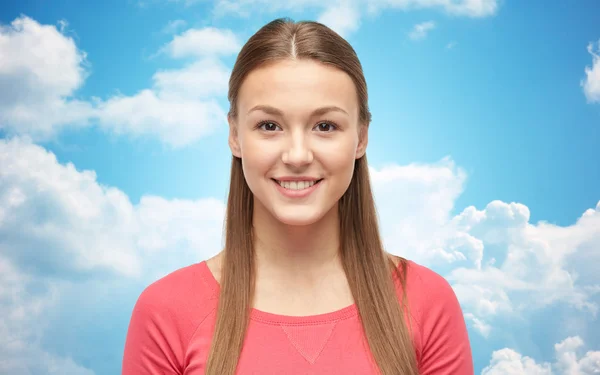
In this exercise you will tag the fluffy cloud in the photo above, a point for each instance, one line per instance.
(421, 30)
(40, 71)
(60, 228)
(414, 203)
(175, 122)
(499, 264)
(56, 220)
(55, 66)
(525, 266)
(208, 41)
(507, 361)
(479, 325)
(343, 18)
(181, 107)
(173, 26)
(569, 361)
(591, 84)
(201, 79)
(44, 68)
(23, 302)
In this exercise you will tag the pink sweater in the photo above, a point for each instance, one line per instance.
(173, 320)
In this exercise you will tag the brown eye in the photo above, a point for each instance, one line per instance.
(268, 126)
(325, 127)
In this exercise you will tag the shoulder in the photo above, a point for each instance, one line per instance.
(186, 289)
(423, 283)
(441, 334)
(430, 296)
(424, 287)
(165, 317)
(176, 303)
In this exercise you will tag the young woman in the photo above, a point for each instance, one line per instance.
(303, 285)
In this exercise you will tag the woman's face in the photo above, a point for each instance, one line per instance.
(298, 134)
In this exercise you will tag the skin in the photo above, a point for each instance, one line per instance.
(298, 266)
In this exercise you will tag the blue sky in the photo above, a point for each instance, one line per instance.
(484, 148)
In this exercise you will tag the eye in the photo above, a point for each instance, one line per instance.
(268, 126)
(325, 126)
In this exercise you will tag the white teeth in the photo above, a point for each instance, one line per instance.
(296, 185)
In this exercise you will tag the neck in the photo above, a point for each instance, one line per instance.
(301, 254)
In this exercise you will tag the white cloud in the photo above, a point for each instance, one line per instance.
(60, 228)
(56, 220)
(423, 196)
(526, 266)
(499, 264)
(201, 79)
(55, 66)
(507, 361)
(176, 122)
(591, 84)
(40, 71)
(43, 68)
(181, 107)
(421, 30)
(471, 8)
(479, 325)
(569, 361)
(208, 41)
(174, 26)
(24, 301)
(343, 18)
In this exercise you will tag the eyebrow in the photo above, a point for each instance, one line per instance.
(277, 112)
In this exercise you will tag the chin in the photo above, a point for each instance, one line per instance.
(299, 217)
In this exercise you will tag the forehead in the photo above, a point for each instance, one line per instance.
(298, 86)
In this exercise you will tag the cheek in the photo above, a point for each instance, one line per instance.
(257, 160)
(340, 160)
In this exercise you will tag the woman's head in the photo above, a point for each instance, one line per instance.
(298, 111)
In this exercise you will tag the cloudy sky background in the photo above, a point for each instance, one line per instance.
(483, 148)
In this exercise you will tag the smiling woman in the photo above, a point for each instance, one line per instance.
(309, 132)
(303, 284)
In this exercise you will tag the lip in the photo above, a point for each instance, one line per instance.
(296, 178)
(297, 193)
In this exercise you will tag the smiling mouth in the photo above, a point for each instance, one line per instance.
(297, 185)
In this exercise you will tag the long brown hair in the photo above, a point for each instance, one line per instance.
(368, 267)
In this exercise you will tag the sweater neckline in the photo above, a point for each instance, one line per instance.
(278, 319)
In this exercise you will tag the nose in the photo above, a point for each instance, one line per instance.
(297, 152)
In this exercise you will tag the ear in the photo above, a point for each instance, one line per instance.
(363, 140)
(234, 143)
